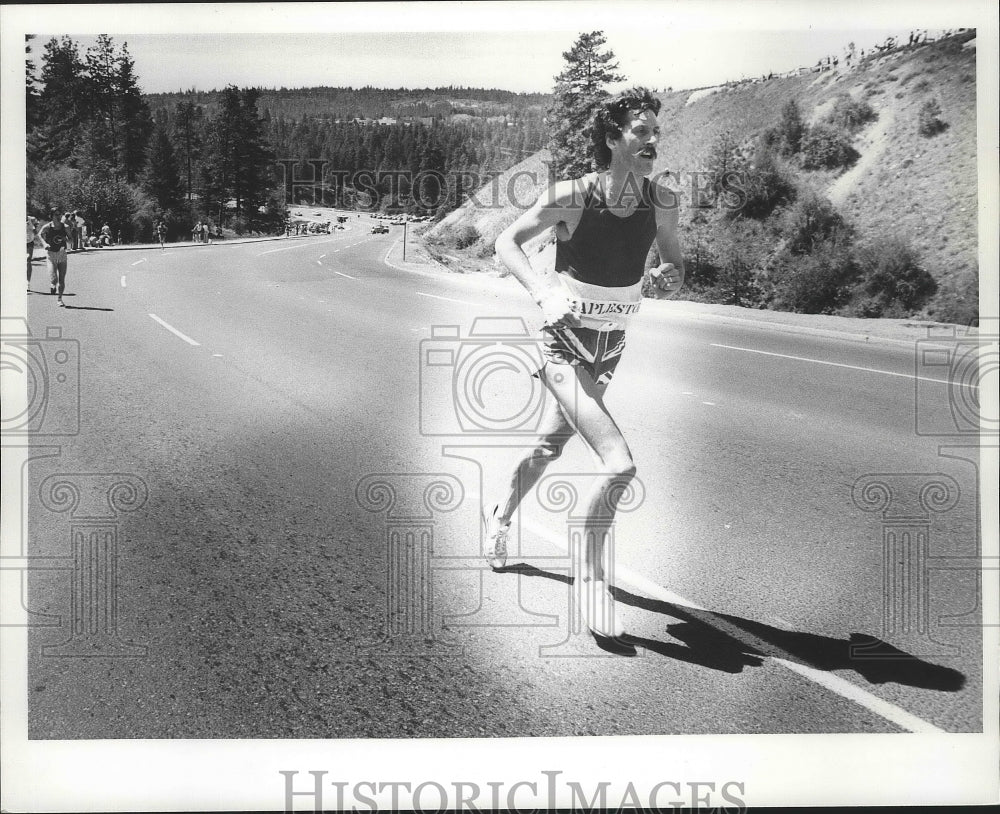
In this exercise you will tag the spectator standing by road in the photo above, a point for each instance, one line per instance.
(54, 239)
(80, 241)
(70, 223)
(204, 231)
(32, 223)
(106, 236)
(161, 232)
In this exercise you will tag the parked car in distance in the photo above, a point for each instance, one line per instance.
(380, 229)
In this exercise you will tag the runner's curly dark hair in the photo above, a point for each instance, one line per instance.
(613, 115)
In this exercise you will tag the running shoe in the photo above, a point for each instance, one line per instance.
(599, 610)
(496, 538)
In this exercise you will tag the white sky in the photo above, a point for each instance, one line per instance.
(516, 45)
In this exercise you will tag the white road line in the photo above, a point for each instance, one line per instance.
(175, 332)
(827, 680)
(137, 262)
(839, 364)
(709, 403)
(123, 281)
(447, 299)
(348, 276)
(299, 246)
(319, 262)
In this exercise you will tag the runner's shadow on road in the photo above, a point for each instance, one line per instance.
(86, 308)
(531, 571)
(729, 643)
(718, 654)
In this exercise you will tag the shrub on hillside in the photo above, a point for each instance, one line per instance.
(816, 283)
(786, 136)
(827, 148)
(699, 257)
(465, 236)
(893, 283)
(740, 248)
(810, 221)
(929, 119)
(766, 185)
(957, 301)
(849, 114)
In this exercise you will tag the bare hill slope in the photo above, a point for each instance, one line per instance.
(902, 184)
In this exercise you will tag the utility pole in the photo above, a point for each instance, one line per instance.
(405, 222)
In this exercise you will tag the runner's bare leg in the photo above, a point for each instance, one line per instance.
(582, 403)
(553, 433)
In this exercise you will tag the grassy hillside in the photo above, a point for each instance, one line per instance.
(902, 184)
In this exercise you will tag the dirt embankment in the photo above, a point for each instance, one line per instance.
(903, 183)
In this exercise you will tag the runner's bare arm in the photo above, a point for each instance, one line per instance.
(558, 208)
(668, 277)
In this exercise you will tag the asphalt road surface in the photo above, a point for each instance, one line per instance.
(297, 540)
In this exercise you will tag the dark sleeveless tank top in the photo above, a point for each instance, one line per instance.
(604, 248)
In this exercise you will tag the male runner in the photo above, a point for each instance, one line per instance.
(54, 238)
(605, 224)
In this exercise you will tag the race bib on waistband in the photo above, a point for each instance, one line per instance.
(604, 308)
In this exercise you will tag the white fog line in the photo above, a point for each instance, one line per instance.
(447, 299)
(175, 332)
(299, 246)
(829, 681)
(839, 364)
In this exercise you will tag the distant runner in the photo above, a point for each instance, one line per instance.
(54, 239)
(605, 224)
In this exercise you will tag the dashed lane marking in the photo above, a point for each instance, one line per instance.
(446, 299)
(348, 276)
(123, 281)
(299, 246)
(137, 262)
(175, 332)
(840, 364)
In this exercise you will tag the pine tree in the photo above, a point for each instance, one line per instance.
(189, 122)
(162, 178)
(62, 103)
(116, 105)
(137, 123)
(578, 91)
